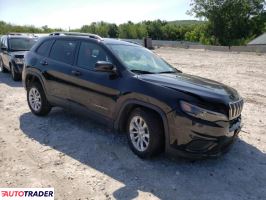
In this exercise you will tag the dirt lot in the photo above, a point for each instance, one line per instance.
(84, 160)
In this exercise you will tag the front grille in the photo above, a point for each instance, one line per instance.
(235, 109)
(19, 56)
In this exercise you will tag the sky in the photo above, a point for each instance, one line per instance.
(75, 13)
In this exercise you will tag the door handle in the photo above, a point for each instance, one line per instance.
(75, 72)
(44, 62)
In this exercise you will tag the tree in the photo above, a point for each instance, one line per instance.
(230, 21)
(112, 31)
(157, 29)
(128, 30)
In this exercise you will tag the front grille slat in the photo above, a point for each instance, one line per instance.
(230, 111)
(235, 109)
(240, 108)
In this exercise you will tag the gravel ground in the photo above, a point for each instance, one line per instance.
(84, 160)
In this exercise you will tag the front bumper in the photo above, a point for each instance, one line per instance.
(196, 139)
(17, 67)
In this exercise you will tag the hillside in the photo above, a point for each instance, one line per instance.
(186, 22)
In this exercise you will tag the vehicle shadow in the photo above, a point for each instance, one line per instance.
(5, 78)
(240, 174)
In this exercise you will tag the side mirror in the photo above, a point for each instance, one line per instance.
(3, 48)
(104, 66)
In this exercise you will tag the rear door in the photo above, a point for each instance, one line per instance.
(59, 69)
(97, 91)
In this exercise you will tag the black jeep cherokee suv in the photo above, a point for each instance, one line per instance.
(135, 91)
(12, 52)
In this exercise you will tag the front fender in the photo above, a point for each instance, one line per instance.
(35, 73)
(155, 108)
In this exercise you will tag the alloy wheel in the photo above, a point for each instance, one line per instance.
(35, 99)
(139, 133)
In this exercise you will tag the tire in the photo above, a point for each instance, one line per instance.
(150, 133)
(15, 76)
(2, 68)
(37, 100)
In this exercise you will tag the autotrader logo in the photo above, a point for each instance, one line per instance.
(27, 193)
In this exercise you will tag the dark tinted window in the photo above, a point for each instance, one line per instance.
(44, 48)
(1, 42)
(63, 50)
(89, 54)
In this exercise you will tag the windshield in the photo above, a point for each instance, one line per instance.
(140, 60)
(21, 44)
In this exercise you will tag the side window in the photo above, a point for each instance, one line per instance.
(4, 42)
(63, 50)
(44, 48)
(1, 42)
(89, 54)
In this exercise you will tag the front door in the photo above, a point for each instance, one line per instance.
(97, 91)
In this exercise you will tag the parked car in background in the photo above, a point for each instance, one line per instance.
(13, 49)
(135, 91)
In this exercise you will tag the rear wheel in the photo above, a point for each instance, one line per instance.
(15, 76)
(145, 133)
(37, 100)
(2, 68)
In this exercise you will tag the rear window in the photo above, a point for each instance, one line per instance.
(63, 50)
(44, 48)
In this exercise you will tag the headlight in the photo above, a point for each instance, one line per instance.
(202, 113)
(19, 60)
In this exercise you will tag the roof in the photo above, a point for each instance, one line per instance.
(261, 40)
(94, 36)
(88, 37)
(19, 35)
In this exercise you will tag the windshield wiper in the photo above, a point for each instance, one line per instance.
(168, 72)
(19, 50)
(141, 71)
(171, 72)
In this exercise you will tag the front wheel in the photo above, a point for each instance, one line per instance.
(145, 133)
(37, 100)
(15, 76)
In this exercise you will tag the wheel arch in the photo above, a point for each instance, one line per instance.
(34, 77)
(130, 105)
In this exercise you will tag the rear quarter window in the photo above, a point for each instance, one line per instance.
(64, 51)
(44, 48)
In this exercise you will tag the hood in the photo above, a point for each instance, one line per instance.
(202, 87)
(18, 54)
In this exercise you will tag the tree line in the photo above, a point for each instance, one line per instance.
(9, 28)
(225, 22)
(157, 30)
